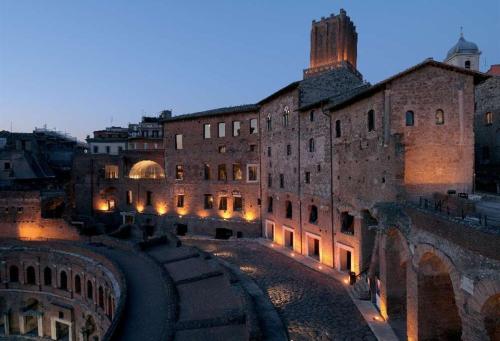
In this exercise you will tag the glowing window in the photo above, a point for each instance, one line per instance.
(488, 118)
(439, 117)
(146, 170)
(111, 171)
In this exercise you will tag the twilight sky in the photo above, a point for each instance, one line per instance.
(79, 66)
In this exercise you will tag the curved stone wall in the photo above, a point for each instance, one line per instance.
(58, 291)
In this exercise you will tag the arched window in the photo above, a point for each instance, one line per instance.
(30, 275)
(101, 297)
(467, 64)
(146, 169)
(78, 284)
(410, 118)
(288, 207)
(311, 116)
(488, 118)
(371, 120)
(313, 215)
(338, 131)
(47, 276)
(13, 274)
(311, 145)
(439, 117)
(286, 116)
(63, 281)
(90, 290)
(268, 122)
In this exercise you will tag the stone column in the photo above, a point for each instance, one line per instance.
(40, 326)
(412, 302)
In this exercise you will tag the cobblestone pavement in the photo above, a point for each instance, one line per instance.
(312, 305)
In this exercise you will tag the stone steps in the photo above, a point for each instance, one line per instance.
(211, 303)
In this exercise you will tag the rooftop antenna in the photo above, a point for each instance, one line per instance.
(461, 31)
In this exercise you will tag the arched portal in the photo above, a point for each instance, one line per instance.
(438, 317)
(146, 169)
(491, 317)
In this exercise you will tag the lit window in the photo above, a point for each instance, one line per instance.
(488, 118)
(146, 169)
(439, 117)
(308, 177)
(237, 172)
(222, 149)
(222, 173)
(206, 131)
(338, 131)
(111, 204)
(20, 210)
(129, 197)
(236, 128)
(237, 204)
(222, 129)
(180, 200)
(410, 118)
(179, 172)
(223, 204)
(252, 173)
(111, 172)
(253, 126)
(371, 120)
(209, 201)
(178, 141)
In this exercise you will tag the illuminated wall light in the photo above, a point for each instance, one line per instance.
(140, 208)
(320, 267)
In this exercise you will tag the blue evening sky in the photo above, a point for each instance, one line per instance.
(80, 65)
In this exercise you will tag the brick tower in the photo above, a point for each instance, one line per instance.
(334, 43)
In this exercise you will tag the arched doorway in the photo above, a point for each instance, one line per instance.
(438, 317)
(491, 317)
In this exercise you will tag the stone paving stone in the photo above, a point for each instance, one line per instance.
(166, 253)
(190, 268)
(223, 333)
(207, 299)
(312, 305)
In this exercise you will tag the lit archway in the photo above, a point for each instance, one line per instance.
(146, 169)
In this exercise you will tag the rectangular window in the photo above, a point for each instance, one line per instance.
(269, 123)
(178, 141)
(270, 205)
(95, 149)
(253, 147)
(206, 171)
(253, 126)
(288, 149)
(282, 181)
(111, 172)
(311, 116)
(347, 221)
(180, 200)
(6, 166)
(222, 149)
(338, 132)
(223, 204)
(108, 149)
(206, 131)
(129, 197)
(237, 172)
(222, 173)
(308, 177)
(288, 209)
(269, 151)
(120, 149)
(269, 180)
(209, 201)
(145, 145)
(155, 133)
(236, 128)
(149, 198)
(252, 173)
(179, 172)
(222, 129)
(237, 204)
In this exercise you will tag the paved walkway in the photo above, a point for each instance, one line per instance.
(146, 312)
(312, 305)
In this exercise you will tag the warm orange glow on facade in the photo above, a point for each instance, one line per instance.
(30, 231)
(140, 208)
(161, 209)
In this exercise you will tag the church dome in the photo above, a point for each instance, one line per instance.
(461, 47)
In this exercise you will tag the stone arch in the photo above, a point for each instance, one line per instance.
(485, 304)
(146, 169)
(100, 297)
(491, 317)
(438, 301)
(30, 275)
(90, 290)
(63, 280)
(13, 274)
(47, 276)
(78, 284)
